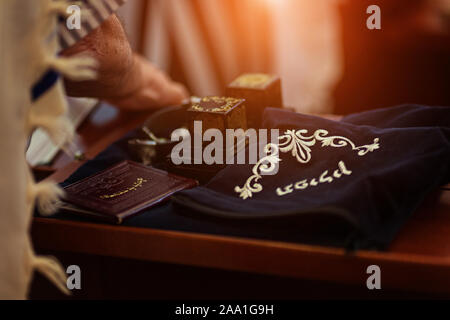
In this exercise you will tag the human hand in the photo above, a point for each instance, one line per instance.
(124, 78)
(153, 89)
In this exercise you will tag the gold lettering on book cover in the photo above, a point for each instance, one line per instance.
(137, 184)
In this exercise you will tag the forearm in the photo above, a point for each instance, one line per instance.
(118, 72)
(125, 79)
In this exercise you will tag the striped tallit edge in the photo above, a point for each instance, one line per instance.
(98, 11)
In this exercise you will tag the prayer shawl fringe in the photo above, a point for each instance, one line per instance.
(31, 96)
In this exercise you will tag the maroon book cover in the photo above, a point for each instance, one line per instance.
(122, 191)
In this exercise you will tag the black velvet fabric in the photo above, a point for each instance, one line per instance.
(364, 209)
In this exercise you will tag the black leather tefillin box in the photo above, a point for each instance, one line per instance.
(259, 91)
(220, 113)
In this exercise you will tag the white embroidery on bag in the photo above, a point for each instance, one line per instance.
(299, 144)
(265, 165)
(302, 185)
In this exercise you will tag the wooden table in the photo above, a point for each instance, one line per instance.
(417, 261)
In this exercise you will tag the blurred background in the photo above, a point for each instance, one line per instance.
(328, 60)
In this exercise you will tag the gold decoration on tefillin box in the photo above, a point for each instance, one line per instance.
(221, 104)
(220, 113)
(253, 80)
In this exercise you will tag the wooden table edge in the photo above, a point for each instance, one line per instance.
(399, 271)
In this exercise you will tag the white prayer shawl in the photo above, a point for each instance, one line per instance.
(28, 50)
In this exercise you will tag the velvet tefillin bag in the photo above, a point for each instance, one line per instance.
(366, 174)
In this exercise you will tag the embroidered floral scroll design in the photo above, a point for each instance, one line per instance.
(299, 144)
(264, 165)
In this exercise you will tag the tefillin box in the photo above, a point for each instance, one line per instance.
(218, 113)
(206, 113)
(259, 91)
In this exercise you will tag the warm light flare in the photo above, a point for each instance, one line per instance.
(274, 2)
